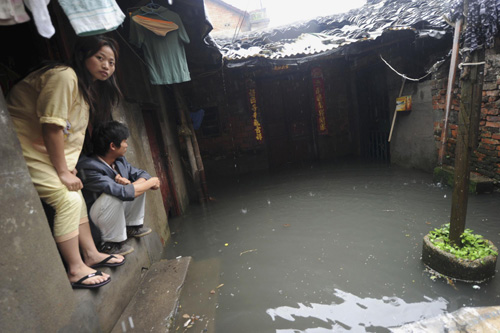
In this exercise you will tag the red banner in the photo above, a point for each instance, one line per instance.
(319, 100)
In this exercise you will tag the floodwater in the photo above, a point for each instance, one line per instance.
(334, 248)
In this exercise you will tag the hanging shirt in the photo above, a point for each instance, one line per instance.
(13, 12)
(159, 27)
(165, 55)
(92, 17)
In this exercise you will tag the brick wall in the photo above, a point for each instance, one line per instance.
(223, 18)
(485, 159)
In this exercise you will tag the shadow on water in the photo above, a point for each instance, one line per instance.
(322, 249)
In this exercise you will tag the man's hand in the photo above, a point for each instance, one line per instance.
(143, 186)
(156, 183)
(72, 182)
(121, 180)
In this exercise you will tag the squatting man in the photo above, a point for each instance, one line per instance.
(113, 189)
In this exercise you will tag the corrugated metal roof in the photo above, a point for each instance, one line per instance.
(424, 17)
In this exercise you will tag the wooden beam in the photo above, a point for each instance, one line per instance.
(451, 81)
(468, 128)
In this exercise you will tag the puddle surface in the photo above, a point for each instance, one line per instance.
(334, 248)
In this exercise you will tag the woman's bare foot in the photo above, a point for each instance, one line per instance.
(97, 257)
(76, 273)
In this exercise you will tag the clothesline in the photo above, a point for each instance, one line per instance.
(429, 71)
(460, 65)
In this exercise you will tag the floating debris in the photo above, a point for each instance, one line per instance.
(450, 282)
(247, 251)
(476, 287)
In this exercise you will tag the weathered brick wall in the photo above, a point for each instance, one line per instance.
(485, 159)
(223, 18)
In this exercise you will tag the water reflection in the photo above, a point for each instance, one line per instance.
(354, 313)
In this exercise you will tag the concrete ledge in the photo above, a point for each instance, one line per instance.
(155, 303)
(460, 269)
(98, 310)
(477, 185)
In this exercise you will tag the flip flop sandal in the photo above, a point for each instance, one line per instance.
(79, 285)
(105, 262)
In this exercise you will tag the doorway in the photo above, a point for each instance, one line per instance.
(286, 115)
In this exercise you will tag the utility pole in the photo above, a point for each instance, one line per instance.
(471, 82)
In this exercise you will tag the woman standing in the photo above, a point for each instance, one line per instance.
(50, 110)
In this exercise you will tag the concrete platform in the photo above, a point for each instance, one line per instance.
(477, 184)
(153, 306)
(98, 310)
(484, 319)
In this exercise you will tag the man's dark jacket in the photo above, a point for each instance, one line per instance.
(98, 177)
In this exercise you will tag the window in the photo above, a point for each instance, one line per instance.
(210, 125)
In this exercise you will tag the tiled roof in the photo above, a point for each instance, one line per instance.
(330, 33)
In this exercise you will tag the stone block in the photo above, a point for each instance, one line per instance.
(477, 184)
(154, 305)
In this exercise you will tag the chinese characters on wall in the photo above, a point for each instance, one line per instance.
(319, 100)
(253, 107)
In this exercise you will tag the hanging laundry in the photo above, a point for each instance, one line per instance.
(12, 12)
(197, 118)
(164, 54)
(41, 16)
(92, 17)
(159, 27)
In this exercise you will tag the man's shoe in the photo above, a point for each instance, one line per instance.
(138, 231)
(116, 248)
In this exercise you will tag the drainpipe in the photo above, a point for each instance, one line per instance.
(451, 80)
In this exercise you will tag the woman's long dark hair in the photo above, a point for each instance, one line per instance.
(101, 96)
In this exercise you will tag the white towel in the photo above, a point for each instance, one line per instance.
(92, 17)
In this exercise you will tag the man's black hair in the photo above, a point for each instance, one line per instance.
(107, 133)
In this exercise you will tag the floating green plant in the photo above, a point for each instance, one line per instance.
(473, 246)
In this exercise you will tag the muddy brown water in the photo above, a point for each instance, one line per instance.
(331, 248)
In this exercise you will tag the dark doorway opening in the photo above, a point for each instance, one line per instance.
(374, 113)
(286, 120)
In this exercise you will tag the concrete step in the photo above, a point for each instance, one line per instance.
(98, 310)
(478, 184)
(154, 305)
